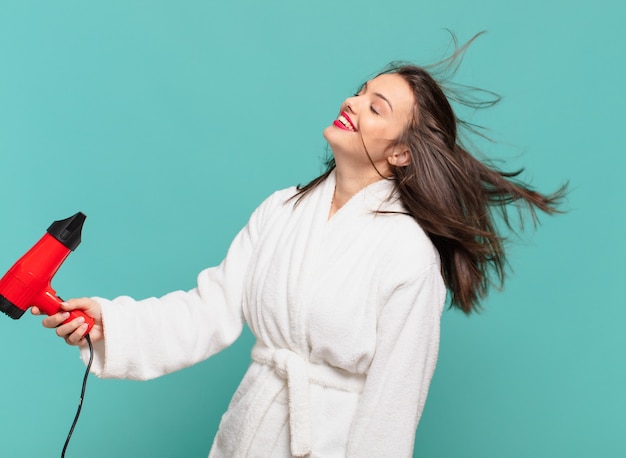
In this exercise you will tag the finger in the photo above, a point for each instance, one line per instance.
(35, 310)
(66, 329)
(77, 336)
(55, 320)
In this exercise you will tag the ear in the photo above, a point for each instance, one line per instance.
(400, 157)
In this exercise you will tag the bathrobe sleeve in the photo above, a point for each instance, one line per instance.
(152, 337)
(400, 373)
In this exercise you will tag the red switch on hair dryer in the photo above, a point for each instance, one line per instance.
(27, 283)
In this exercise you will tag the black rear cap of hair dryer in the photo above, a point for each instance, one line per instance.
(68, 231)
(9, 308)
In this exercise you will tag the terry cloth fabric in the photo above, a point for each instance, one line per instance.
(346, 313)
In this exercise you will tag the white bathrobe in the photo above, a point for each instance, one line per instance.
(346, 314)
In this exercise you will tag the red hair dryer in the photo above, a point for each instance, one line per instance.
(27, 283)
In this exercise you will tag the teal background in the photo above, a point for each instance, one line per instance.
(169, 122)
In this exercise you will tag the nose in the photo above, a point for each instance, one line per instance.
(349, 105)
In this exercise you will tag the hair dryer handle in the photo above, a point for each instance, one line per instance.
(79, 313)
(49, 303)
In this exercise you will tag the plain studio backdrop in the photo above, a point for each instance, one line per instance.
(167, 123)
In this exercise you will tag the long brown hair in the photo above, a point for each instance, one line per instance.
(453, 196)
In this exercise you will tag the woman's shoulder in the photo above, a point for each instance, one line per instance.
(273, 205)
(278, 198)
(409, 244)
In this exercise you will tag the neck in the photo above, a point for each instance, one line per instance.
(347, 184)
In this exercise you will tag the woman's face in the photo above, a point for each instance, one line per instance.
(376, 117)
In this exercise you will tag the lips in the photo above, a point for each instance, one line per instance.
(344, 122)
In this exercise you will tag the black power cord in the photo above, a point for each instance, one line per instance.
(82, 395)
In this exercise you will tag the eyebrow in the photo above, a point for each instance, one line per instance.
(378, 94)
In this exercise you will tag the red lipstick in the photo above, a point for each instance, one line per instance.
(345, 115)
(344, 122)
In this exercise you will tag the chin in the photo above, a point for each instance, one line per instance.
(327, 133)
(335, 138)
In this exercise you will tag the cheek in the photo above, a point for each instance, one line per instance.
(373, 129)
(380, 133)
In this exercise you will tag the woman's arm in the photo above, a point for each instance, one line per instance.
(399, 377)
(151, 337)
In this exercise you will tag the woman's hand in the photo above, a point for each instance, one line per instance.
(73, 332)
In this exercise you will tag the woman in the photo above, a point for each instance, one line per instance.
(342, 282)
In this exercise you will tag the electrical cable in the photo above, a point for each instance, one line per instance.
(82, 395)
